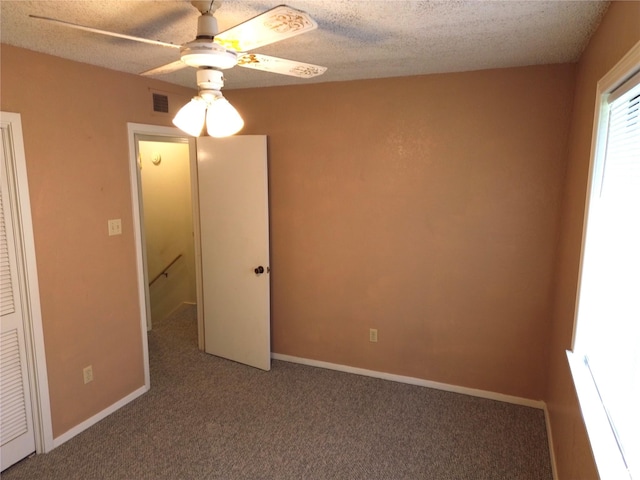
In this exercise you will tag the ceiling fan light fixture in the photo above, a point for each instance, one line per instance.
(212, 109)
(190, 118)
(223, 120)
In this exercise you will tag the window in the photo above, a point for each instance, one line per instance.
(605, 362)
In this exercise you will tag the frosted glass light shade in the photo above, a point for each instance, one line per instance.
(190, 118)
(223, 119)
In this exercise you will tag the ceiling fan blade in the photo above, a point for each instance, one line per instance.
(105, 32)
(280, 65)
(168, 68)
(277, 24)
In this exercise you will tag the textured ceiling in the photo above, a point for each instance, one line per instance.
(355, 39)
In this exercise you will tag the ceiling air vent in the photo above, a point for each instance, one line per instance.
(160, 103)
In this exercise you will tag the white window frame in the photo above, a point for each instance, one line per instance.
(608, 457)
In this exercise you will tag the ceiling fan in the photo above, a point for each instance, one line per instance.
(212, 51)
(223, 50)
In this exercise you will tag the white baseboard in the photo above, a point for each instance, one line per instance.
(69, 434)
(413, 381)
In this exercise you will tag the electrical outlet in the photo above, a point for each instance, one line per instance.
(373, 334)
(87, 374)
(115, 227)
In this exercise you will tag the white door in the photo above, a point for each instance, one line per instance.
(16, 428)
(234, 244)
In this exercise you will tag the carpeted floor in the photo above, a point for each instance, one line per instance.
(208, 418)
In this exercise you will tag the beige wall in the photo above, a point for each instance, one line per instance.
(618, 32)
(426, 207)
(74, 120)
(168, 225)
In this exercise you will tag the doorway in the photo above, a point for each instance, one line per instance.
(250, 262)
(152, 133)
(167, 224)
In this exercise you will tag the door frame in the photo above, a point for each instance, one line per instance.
(33, 332)
(144, 132)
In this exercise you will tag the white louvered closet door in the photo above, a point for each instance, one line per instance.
(17, 438)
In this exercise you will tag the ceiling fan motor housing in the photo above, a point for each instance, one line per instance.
(207, 53)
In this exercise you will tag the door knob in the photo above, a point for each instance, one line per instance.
(259, 270)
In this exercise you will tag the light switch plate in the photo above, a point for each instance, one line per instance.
(373, 335)
(87, 374)
(115, 227)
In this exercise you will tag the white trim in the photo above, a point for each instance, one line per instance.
(69, 434)
(34, 336)
(413, 381)
(622, 71)
(143, 290)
